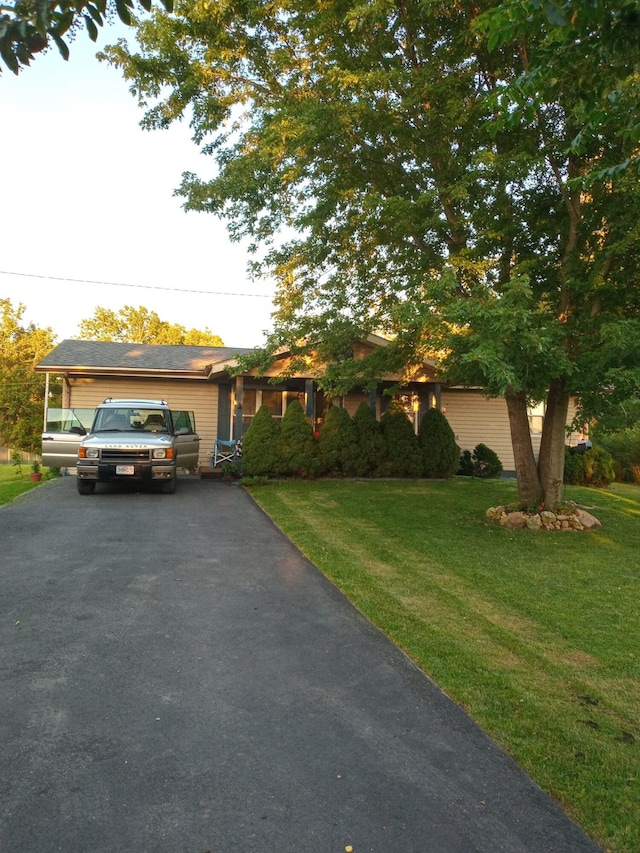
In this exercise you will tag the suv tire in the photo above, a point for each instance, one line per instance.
(86, 487)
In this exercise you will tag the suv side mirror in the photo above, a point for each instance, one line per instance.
(78, 430)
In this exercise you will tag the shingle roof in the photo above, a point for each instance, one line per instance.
(92, 355)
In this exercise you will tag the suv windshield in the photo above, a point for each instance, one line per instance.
(130, 420)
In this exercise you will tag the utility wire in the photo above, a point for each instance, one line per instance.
(139, 286)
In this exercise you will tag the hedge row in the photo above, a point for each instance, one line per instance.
(349, 447)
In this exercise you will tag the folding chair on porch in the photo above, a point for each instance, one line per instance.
(227, 451)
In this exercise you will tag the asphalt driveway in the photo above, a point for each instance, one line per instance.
(175, 676)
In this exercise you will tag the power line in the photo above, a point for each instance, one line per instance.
(139, 286)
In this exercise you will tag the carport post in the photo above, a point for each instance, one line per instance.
(46, 402)
(239, 392)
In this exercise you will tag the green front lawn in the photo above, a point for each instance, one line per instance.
(534, 634)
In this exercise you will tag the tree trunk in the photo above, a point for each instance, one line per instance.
(527, 476)
(551, 458)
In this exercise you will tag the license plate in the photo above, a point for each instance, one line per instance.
(125, 469)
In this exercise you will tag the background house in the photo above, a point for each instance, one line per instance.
(199, 379)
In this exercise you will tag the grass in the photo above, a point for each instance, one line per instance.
(12, 484)
(534, 634)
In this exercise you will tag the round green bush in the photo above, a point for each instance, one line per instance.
(369, 447)
(440, 453)
(336, 444)
(297, 444)
(260, 454)
(402, 455)
(593, 467)
(486, 462)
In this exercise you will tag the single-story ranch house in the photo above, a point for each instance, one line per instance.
(198, 378)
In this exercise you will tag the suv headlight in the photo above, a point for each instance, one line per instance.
(88, 453)
(163, 453)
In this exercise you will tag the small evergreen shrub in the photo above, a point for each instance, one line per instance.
(592, 467)
(440, 453)
(486, 462)
(336, 445)
(369, 448)
(260, 455)
(297, 444)
(402, 454)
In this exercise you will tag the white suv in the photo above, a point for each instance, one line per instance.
(129, 440)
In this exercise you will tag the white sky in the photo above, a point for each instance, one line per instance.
(85, 193)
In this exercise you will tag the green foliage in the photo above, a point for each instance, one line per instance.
(402, 454)
(260, 455)
(440, 453)
(230, 470)
(296, 447)
(592, 467)
(624, 447)
(26, 28)
(369, 451)
(336, 449)
(590, 49)
(483, 462)
(21, 388)
(17, 460)
(254, 482)
(141, 326)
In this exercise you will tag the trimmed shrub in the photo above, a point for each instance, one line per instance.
(402, 455)
(336, 444)
(260, 455)
(624, 447)
(297, 444)
(440, 453)
(592, 467)
(485, 462)
(369, 449)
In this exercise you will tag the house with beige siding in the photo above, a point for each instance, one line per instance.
(203, 380)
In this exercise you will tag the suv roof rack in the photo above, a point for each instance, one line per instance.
(136, 401)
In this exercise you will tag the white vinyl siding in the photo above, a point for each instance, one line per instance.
(478, 420)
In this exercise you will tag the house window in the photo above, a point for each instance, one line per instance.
(536, 418)
(275, 401)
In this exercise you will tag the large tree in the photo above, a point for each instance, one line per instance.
(404, 172)
(21, 388)
(141, 326)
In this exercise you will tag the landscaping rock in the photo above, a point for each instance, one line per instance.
(587, 520)
(517, 520)
(573, 519)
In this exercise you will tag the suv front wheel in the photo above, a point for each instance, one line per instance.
(86, 487)
(169, 486)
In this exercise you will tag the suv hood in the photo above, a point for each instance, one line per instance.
(127, 439)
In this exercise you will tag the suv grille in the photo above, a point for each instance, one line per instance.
(124, 455)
